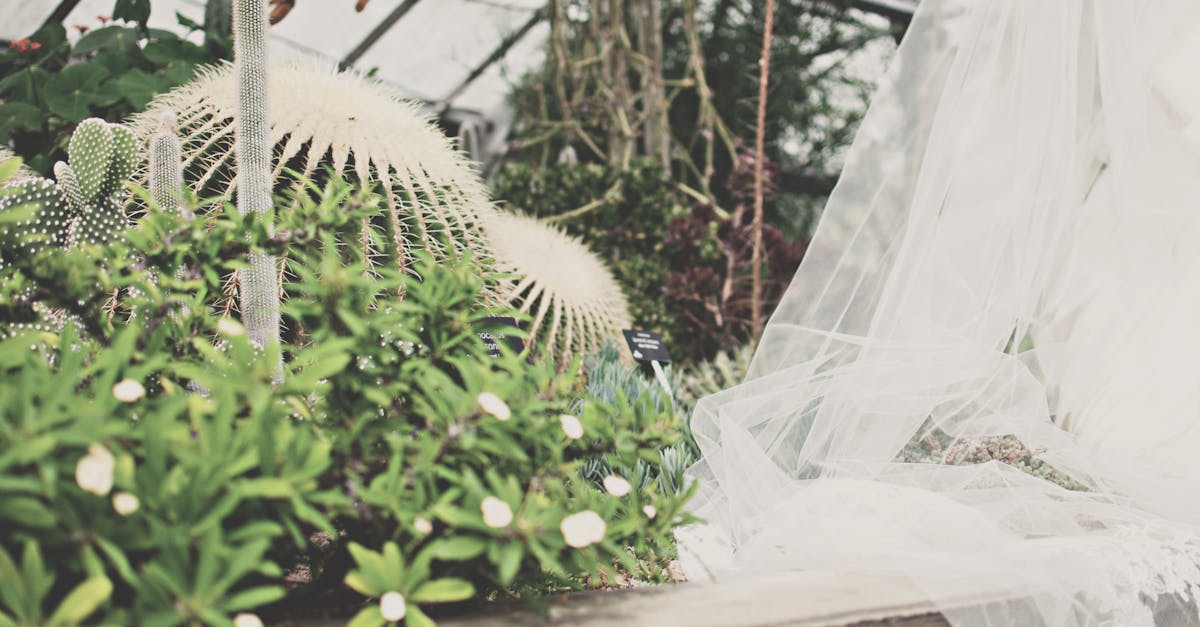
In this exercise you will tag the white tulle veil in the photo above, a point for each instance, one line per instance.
(985, 377)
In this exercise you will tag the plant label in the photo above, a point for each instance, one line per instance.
(647, 346)
(494, 336)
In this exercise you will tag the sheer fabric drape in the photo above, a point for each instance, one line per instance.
(985, 376)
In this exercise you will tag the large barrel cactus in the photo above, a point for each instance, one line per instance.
(576, 304)
(321, 121)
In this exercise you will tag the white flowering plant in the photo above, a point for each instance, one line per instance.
(147, 453)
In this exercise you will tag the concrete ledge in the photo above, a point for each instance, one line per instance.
(800, 598)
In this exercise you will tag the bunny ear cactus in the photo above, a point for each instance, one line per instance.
(85, 205)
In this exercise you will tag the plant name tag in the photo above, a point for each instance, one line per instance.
(492, 338)
(647, 346)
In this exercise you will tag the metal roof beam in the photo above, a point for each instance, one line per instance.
(499, 53)
(61, 12)
(376, 33)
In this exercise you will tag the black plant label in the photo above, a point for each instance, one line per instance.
(647, 346)
(494, 336)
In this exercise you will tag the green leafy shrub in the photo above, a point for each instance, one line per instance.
(687, 269)
(623, 219)
(145, 453)
(47, 85)
(614, 381)
(725, 370)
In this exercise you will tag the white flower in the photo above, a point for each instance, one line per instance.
(496, 513)
(391, 605)
(650, 512)
(94, 471)
(128, 391)
(571, 426)
(423, 526)
(230, 327)
(495, 406)
(125, 503)
(583, 529)
(247, 620)
(617, 486)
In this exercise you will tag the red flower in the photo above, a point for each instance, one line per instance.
(104, 19)
(81, 28)
(24, 45)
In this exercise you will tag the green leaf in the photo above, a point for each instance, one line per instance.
(132, 10)
(359, 584)
(82, 601)
(446, 590)
(459, 549)
(8, 168)
(71, 92)
(266, 487)
(416, 618)
(19, 116)
(26, 511)
(509, 561)
(369, 616)
(119, 38)
(138, 88)
(254, 597)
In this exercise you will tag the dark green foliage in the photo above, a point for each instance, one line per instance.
(47, 86)
(815, 102)
(615, 381)
(686, 269)
(626, 226)
(369, 464)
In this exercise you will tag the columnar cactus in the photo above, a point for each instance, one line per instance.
(258, 284)
(166, 166)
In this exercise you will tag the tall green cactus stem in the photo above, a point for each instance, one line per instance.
(258, 284)
(166, 166)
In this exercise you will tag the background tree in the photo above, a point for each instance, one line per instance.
(668, 90)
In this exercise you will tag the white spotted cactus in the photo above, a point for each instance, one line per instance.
(51, 219)
(258, 285)
(86, 205)
(166, 166)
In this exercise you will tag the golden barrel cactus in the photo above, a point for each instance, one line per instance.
(575, 302)
(350, 124)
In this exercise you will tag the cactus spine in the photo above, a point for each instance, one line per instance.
(258, 284)
(166, 166)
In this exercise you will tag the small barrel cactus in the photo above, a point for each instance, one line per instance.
(575, 302)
